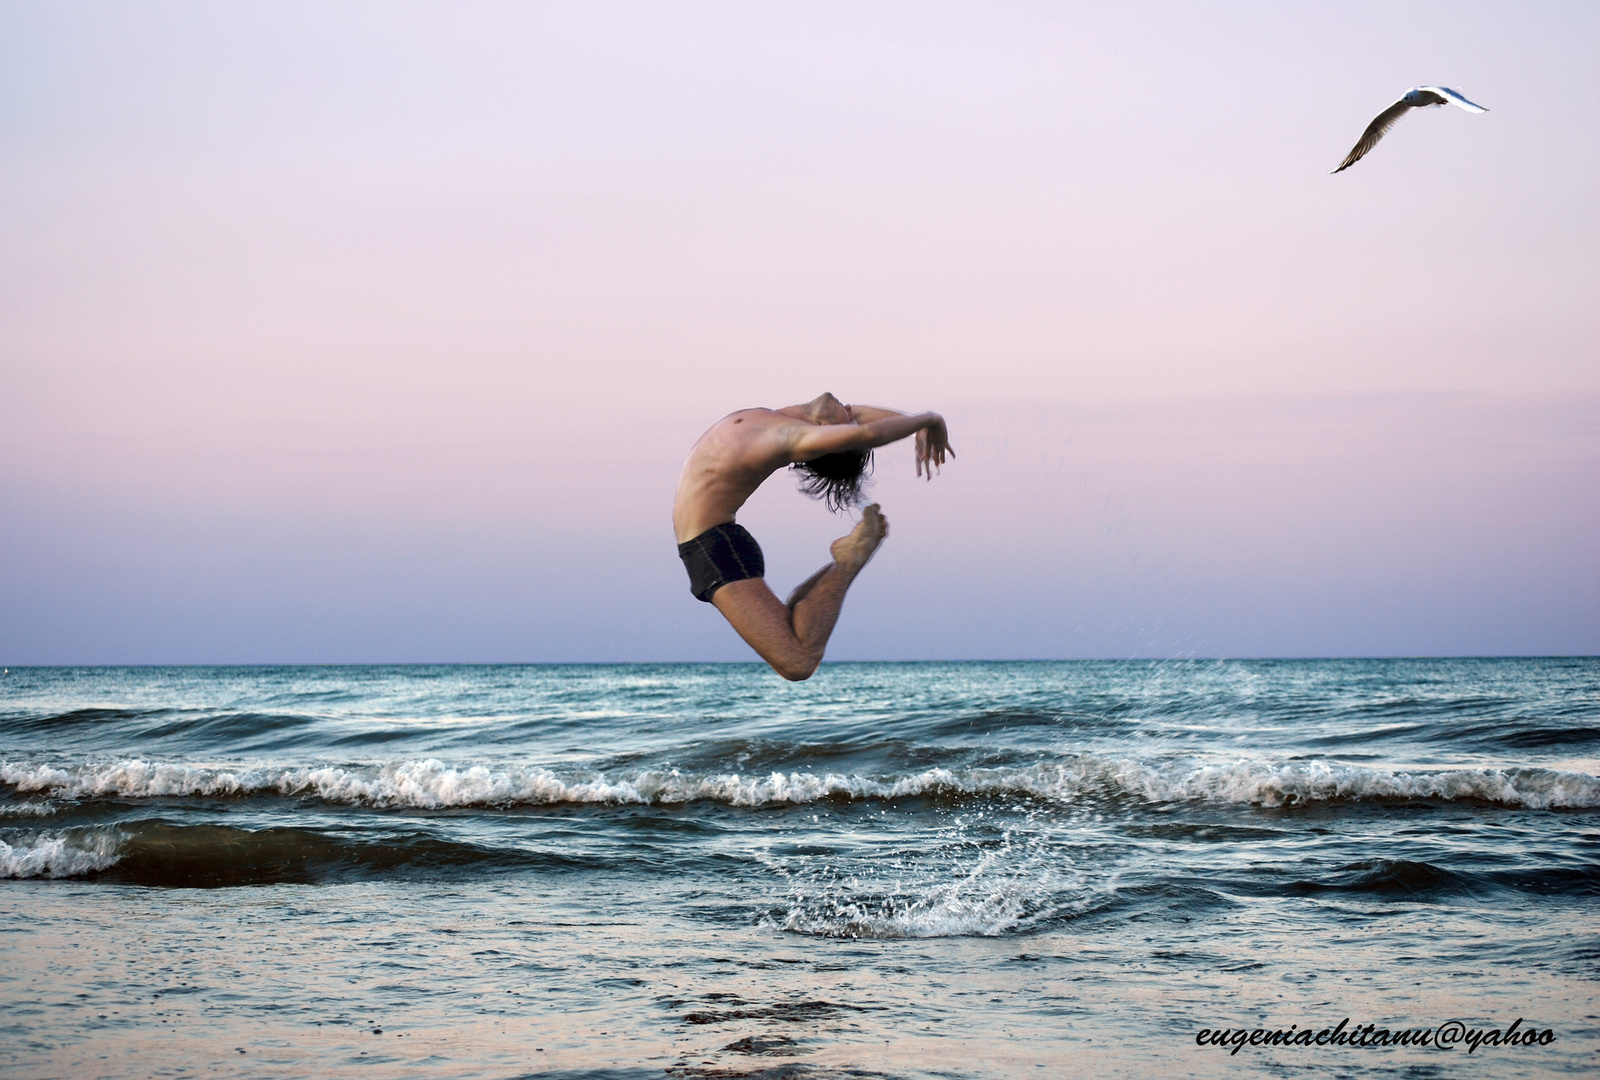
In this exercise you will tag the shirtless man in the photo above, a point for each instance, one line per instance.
(830, 444)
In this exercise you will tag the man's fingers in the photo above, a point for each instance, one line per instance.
(932, 445)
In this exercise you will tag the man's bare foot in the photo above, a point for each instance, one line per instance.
(853, 551)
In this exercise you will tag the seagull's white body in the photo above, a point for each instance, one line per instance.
(1418, 97)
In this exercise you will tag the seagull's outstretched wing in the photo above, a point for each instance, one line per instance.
(1454, 98)
(1376, 130)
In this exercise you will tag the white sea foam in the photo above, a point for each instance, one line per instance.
(27, 809)
(433, 784)
(58, 855)
(1304, 782)
(944, 913)
(986, 901)
(953, 887)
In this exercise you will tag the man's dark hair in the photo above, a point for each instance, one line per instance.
(836, 478)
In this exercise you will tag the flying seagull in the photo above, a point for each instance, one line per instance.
(1417, 97)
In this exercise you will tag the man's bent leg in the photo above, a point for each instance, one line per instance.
(802, 590)
(792, 637)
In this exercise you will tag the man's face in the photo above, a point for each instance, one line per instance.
(828, 409)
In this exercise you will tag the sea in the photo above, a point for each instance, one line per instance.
(1353, 868)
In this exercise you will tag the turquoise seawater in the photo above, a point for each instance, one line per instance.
(903, 870)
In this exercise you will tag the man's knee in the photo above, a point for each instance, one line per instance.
(797, 669)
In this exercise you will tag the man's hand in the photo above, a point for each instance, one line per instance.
(933, 443)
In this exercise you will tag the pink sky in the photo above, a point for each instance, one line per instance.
(379, 332)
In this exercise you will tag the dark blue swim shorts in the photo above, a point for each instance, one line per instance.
(721, 554)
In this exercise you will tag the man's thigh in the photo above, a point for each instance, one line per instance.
(758, 615)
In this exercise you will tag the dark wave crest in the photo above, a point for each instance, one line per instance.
(1397, 879)
(164, 854)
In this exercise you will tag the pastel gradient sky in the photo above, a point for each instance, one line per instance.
(344, 332)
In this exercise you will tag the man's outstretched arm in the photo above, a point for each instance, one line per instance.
(865, 414)
(933, 440)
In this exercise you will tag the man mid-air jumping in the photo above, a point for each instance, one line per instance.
(831, 444)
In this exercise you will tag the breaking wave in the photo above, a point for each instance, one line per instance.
(435, 784)
(59, 855)
(162, 853)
